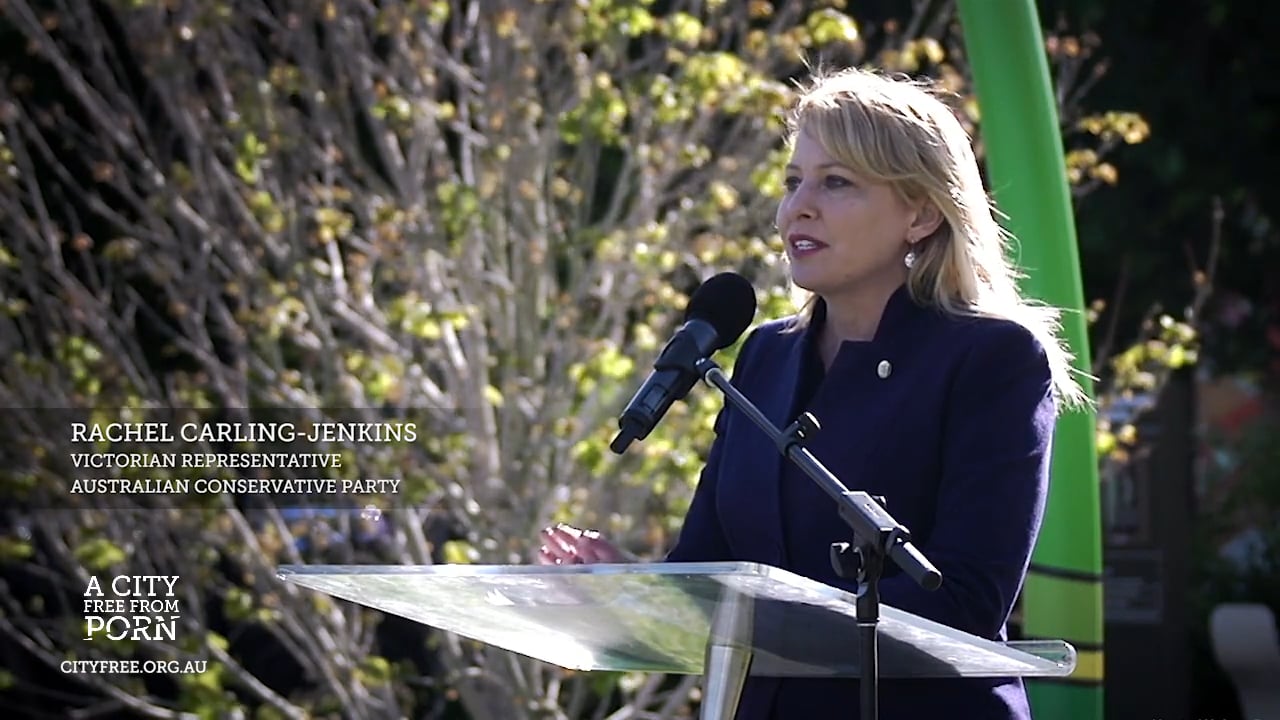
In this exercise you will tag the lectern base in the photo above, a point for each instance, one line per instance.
(728, 660)
(727, 668)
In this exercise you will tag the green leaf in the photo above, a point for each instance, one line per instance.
(830, 25)
(1106, 442)
(375, 671)
(682, 28)
(458, 552)
(12, 549)
(238, 604)
(214, 640)
(99, 554)
(493, 396)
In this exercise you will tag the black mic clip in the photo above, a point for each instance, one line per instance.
(804, 428)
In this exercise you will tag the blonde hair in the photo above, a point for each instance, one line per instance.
(898, 132)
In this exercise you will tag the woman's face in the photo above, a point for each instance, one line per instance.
(841, 232)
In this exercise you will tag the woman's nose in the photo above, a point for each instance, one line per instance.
(798, 204)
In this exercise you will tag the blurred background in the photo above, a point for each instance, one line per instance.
(483, 218)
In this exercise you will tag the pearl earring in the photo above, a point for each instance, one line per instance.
(910, 258)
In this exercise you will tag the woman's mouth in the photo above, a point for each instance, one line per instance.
(802, 245)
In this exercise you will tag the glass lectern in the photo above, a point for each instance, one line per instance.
(721, 620)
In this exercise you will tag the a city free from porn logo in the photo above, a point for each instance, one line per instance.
(134, 608)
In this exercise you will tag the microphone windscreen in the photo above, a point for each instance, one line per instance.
(727, 302)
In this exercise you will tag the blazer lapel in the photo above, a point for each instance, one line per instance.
(763, 464)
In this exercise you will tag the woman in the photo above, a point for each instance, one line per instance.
(936, 384)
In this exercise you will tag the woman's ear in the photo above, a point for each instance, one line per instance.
(925, 222)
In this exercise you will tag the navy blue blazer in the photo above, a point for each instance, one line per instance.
(955, 435)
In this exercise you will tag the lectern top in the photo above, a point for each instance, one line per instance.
(661, 617)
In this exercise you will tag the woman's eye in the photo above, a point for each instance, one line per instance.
(830, 182)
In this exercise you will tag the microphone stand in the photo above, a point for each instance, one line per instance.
(877, 535)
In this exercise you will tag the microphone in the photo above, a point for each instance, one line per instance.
(719, 311)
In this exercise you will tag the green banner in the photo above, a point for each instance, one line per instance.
(1027, 172)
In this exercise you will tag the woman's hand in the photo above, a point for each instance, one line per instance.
(567, 545)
